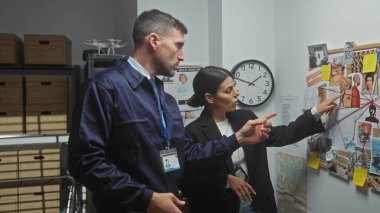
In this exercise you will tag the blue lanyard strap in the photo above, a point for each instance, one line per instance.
(166, 134)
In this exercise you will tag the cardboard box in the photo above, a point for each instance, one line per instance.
(39, 197)
(36, 202)
(10, 49)
(8, 203)
(8, 166)
(47, 49)
(11, 129)
(7, 199)
(8, 175)
(8, 157)
(34, 207)
(34, 163)
(39, 163)
(8, 191)
(46, 89)
(8, 162)
(11, 89)
(39, 173)
(46, 119)
(11, 119)
(38, 155)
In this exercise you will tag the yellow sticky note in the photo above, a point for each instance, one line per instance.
(369, 63)
(314, 160)
(360, 175)
(326, 72)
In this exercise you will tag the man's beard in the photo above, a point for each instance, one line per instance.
(161, 69)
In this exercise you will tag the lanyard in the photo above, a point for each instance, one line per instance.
(166, 134)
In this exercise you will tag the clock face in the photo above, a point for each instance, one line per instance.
(254, 80)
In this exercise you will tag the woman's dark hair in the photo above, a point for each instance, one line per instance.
(207, 80)
(369, 75)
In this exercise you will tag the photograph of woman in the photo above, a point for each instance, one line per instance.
(238, 181)
(369, 84)
(183, 87)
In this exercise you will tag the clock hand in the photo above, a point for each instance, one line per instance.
(243, 81)
(255, 80)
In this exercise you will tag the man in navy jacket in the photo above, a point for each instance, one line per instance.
(125, 126)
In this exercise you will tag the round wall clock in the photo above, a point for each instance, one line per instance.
(255, 82)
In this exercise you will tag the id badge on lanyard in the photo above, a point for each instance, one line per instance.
(169, 159)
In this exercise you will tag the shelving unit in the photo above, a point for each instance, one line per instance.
(100, 60)
(57, 188)
(71, 72)
(70, 193)
(73, 196)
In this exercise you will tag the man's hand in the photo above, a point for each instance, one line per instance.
(255, 131)
(165, 203)
(328, 106)
(241, 188)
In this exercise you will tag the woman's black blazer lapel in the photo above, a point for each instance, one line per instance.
(208, 127)
(211, 131)
(237, 119)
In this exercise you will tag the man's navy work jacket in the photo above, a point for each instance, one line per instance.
(116, 137)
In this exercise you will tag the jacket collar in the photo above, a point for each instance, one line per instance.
(236, 121)
(209, 127)
(133, 77)
(211, 131)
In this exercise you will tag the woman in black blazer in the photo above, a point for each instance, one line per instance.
(211, 184)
